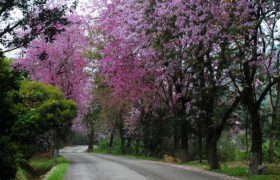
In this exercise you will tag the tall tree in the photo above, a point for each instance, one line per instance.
(23, 21)
(61, 63)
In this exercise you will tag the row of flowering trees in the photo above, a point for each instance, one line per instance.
(185, 64)
(199, 60)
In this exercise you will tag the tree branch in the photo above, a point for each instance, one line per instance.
(266, 90)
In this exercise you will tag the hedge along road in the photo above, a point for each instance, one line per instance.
(84, 166)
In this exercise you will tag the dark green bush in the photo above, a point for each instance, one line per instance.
(265, 147)
(135, 148)
(8, 164)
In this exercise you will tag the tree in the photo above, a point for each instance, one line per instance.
(199, 51)
(57, 116)
(91, 121)
(33, 18)
(173, 54)
(44, 108)
(61, 63)
(9, 85)
(256, 72)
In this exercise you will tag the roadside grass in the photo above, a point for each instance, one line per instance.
(196, 164)
(132, 156)
(21, 174)
(263, 177)
(142, 157)
(60, 169)
(232, 171)
(239, 169)
(41, 165)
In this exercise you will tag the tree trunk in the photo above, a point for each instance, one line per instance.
(137, 146)
(271, 136)
(246, 135)
(212, 155)
(176, 139)
(52, 145)
(55, 144)
(111, 141)
(200, 143)
(121, 133)
(271, 148)
(256, 148)
(184, 151)
(122, 144)
(128, 145)
(90, 139)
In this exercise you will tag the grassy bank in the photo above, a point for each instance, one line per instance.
(239, 169)
(22, 174)
(40, 165)
(60, 169)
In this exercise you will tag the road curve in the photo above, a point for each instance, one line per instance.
(84, 166)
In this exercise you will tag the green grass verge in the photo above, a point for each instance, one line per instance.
(142, 157)
(132, 156)
(233, 171)
(238, 169)
(41, 164)
(197, 165)
(60, 169)
(21, 174)
(263, 177)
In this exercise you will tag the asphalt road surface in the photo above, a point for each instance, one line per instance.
(85, 166)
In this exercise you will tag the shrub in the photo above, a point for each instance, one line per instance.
(8, 164)
(240, 155)
(265, 147)
(21, 174)
(226, 149)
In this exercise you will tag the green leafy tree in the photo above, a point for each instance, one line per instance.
(92, 120)
(57, 115)
(43, 109)
(9, 85)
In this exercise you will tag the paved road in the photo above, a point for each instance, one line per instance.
(84, 166)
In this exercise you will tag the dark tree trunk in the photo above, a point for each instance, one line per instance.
(184, 154)
(111, 141)
(128, 145)
(246, 134)
(55, 144)
(122, 144)
(176, 139)
(212, 156)
(256, 148)
(90, 140)
(271, 148)
(121, 133)
(211, 147)
(200, 143)
(271, 134)
(52, 140)
(137, 146)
